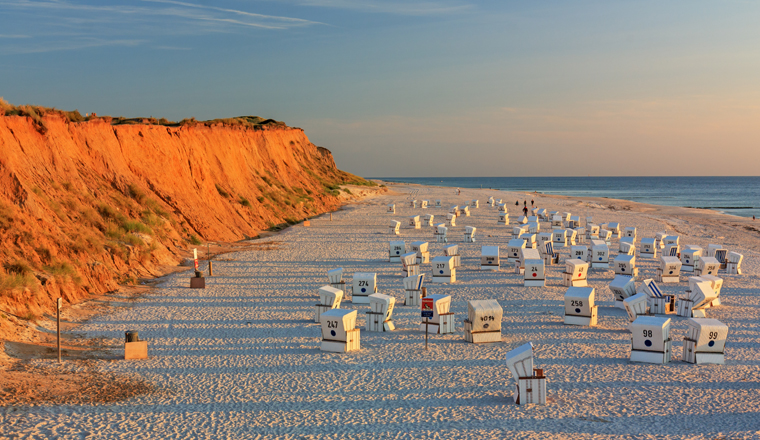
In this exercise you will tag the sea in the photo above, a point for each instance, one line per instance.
(739, 196)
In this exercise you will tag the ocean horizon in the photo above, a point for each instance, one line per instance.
(733, 195)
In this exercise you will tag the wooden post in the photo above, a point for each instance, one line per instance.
(426, 333)
(331, 216)
(59, 303)
(210, 268)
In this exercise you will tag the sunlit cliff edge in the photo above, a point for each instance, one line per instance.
(87, 205)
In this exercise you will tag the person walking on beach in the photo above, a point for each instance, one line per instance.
(531, 202)
(457, 191)
(517, 203)
(525, 210)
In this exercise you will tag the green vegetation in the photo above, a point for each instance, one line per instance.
(245, 202)
(221, 191)
(6, 216)
(194, 240)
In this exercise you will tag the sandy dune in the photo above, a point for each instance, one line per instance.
(241, 358)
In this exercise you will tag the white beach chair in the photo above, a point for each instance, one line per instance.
(648, 248)
(626, 265)
(705, 341)
(452, 250)
(392, 208)
(428, 219)
(534, 273)
(421, 248)
(734, 265)
(414, 222)
(575, 273)
(380, 316)
(559, 238)
(364, 285)
(396, 249)
(339, 332)
(441, 232)
(444, 270)
(622, 287)
(329, 298)
(413, 290)
(690, 257)
(650, 340)
(707, 266)
(483, 323)
(489, 257)
(513, 249)
(600, 254)
(579, 253)
(409, 264)
(579, 306)
(394, 227)
(530, 383)
(469, 234)
(442, 321)
(335, 278)
(693, 303)
(635, 306)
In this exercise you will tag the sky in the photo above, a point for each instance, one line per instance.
(418, 87)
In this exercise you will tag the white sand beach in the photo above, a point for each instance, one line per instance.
(241, 358)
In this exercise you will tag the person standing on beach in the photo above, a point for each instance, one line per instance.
(517, 203)
(531, 202)
(525, 210)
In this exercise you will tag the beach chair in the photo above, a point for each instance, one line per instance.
(659, 303)
(442, 321)
(711, 248)
(605, 235)
(396, 249)
(421, 248)
(669, 270)
(650, 340)
(329, 298)
(469, 234)
(630, 232)
(502, 207)
(717, 284)
(534, 273)
(622, 287)
(626, 265)
(600, 255)
(525, 254)
(452, 250)
(529, 239)
(734, 265)
(517, 231)
(483, 323)
(659, 239)
(455, 210)
(335, 278)
(648, 248)
(444, 270)
(503, 219)
(542, 238)
(547, 252)
(475, 204)
(489, 257)
(570, 235)
(693, 303)
(579, 306)
(429, 219)
(635, 306)
(425, 204)
(413, 290)
(669, 240)
(575, 273)
(614, 228)
(490, 202)
(579, 253)
(592, 231)
(705, 341)
(414, 222)
(589, 220)
(464, 211)
(409, 264)
(364, 285)
(556, 221)
(559, 238)
(530, 383)
(413, 203)
(441, 232)
(451, 219)
(392, 208)
(533, 227)
(513, 249)
(573, 222)
(379, 317)
(438, 203)
(722, 256)
(690, 257)
(339, 332)
(522, 220)
(580, 235)
(707, 266)
(626, 248)
(394, 227)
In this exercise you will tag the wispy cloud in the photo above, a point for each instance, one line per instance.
(91, 25)
(411, 7)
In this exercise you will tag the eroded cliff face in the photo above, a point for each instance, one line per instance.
(86, 205)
